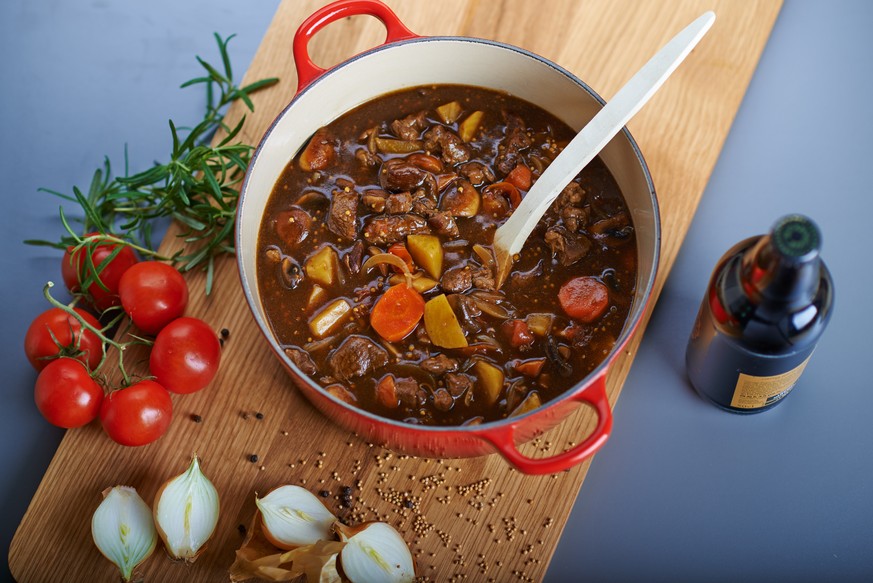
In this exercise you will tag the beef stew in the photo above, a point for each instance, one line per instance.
(375, 271)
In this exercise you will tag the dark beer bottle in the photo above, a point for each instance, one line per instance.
(768, 302)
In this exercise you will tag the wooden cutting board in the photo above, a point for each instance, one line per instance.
(474, 519)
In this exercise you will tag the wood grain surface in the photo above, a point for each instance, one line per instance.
(475, 519)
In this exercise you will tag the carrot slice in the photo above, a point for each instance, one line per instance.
(519, 334)
(584, 298)
(397, 312)
(520, 176)
(400, 250)
(386, 392)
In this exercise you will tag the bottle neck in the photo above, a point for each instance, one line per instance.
(776, 281)
(773, 292)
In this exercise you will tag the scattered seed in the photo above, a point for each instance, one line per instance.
(225, 332)
(259, 415)
(196, 418)
(324, 493)
(242, 529)
(253, 458)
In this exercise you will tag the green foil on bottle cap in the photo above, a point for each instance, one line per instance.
(796, 236)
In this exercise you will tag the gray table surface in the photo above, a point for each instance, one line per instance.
(682, 491)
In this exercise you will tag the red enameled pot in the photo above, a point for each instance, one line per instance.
(408, 60)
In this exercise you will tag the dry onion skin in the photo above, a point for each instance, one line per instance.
(293, 517)
(123, 529)
(186, 513)
(258, 558)
(375, 553)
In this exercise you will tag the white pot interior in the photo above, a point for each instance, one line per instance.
(440, 61)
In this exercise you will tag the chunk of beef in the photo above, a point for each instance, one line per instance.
(476, 172)
(398, 175)
(356, 357)
(439, 364)
(457, 279)
(429, 187)
(302, 360)
(572, 195)
(424, 207)
(566, 246)
(483, 278)
(452, 148)
(515, 140)
(375, 199)
(575, 218)
(343, 214)
(410, 127)
(410, 392)
(442, 400)
(458, 383)
(388, 229)
(398, 203)
(443, 223)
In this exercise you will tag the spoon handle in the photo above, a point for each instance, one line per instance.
(510, 237)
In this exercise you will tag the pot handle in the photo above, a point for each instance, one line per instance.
(595, 395)
(307, 71)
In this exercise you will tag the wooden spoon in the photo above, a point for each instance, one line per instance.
(510, 237)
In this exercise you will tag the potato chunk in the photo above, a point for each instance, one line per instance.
(323, 266)
(468, 128)
(449, 112)
(330, 318)
(427, 253)
(442, 325)
(489, 383)
(531, 402)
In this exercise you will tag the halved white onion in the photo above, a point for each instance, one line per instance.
(123, 530)
(293, 517)
(186, 512)
(375, 553)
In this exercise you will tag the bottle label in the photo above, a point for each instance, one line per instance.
(753, 392)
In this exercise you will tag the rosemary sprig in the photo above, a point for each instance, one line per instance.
(198, 186)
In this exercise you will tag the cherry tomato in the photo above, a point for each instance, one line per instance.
(66, 395)
(185, 355)
(74, 270)
(153, 294)
(138, 414)
(40, 347)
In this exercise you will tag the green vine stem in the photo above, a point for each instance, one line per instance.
(100, 333)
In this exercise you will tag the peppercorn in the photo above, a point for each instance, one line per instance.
(253, 458)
